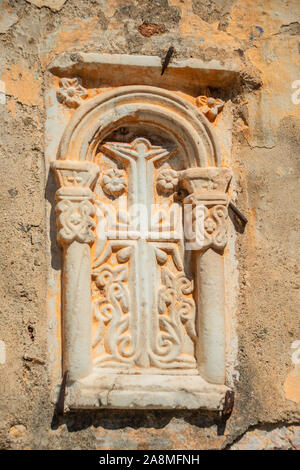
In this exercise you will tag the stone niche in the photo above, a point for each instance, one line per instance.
(140, 305)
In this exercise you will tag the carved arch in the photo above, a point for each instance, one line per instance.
(77, 172)
(149, 106)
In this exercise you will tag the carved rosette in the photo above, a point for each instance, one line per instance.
(75, 209)
(167, 181)
(114, 182)
(207, 205)
(71, 92)
(211, 107)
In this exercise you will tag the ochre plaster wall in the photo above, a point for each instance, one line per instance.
(263, 38)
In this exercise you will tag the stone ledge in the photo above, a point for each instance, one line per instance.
(145, 391)
(121, 69)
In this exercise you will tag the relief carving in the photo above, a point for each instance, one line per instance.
(157, 340)
(112, 310)
(211, 107)
(167, 181)
(132, 278)
(74, 208)
(75, 221)
(71, 92)
(114, 182)
(207, 202)
(176, 319)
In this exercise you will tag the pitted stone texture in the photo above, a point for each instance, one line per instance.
(7, 17)
(284, 438)
(17, 432)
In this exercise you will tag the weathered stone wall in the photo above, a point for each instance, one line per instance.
(264, 38)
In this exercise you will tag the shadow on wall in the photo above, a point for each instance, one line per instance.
(112, 419)
(238, 225)
(55, 249)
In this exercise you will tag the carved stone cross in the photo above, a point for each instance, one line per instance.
(155, 337)
(143, 313)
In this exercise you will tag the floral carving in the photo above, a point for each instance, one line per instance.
(167, 180)
(211, 107)
(111, 307)
(71, 93)
(176, 318)
(114, 182)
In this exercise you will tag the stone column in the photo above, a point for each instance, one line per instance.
(206, 219)
(75, 211)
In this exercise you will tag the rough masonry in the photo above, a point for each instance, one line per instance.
(255, 116)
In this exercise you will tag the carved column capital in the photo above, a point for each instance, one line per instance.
(207, 188)
(75, 198)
